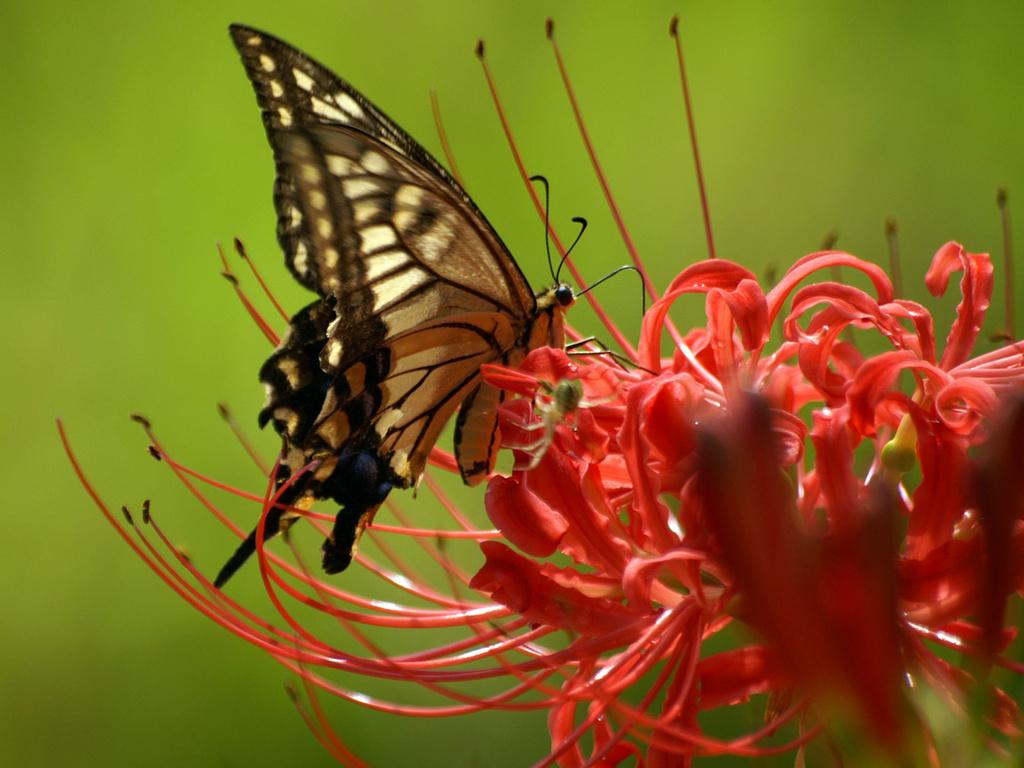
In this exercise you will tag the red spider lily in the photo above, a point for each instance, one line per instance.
(669, 505)
(798, 501)
(850, 575)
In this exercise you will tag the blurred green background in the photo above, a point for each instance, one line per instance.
(131, 145)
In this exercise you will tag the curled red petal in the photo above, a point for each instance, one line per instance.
(641, 573)
(816, 358)
(510, 380)
(522, 518)
(668, 413)
(732, 677)
(589, 439)
(923, 340)
(822, 260)
(834, 467)
(709, 274)
(964, 403)
(749, 311)
(574, 488)
(638, 452)
(939, 500)
(550, 365)
(942, 585)
(527, 589)
(975, 291)
(702, 277)
(844, 305)
(876, 378)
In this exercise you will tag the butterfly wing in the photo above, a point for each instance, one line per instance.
(295, 92)
(417, 293)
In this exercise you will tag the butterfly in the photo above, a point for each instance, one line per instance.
(415, 291)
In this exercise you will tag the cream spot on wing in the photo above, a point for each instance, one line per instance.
(304, 81)
(400, 465)
(295, 459)
(254, 40)
(324, 109)
(267, 63)
(387, 420)
(268, 393)
(360, 187)
(321, 473)
(330, 258)
(289, 417)
(311, 173)
(290, 369)
(394, 288)
(434, 244)
(341, 166)
(349, 104)
(276, 90)
(382, 263)
(409, 195)
(405, 219)
(285, 115)
(355, 376)
(301, 259)
(364, 211)
(377, 237)
(294, 216)
(324, 227)
(318, 199)
(374, 162)
(335, 349)
(335, 429)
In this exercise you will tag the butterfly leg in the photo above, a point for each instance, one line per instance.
(538, 447)
(623, 362)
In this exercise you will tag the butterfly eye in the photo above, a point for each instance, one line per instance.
(565, 295)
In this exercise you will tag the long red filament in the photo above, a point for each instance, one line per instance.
(892, 238)
(601, 178)
(242, 437)
(674, 31)
(261, 323)
(608, 323)
(240, 250)
(435, 107)
(1008, 286)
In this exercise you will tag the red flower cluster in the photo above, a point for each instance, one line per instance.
(684, 499)
(658, 505)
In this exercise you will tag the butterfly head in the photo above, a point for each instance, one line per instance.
(560, 296)
(565, 296)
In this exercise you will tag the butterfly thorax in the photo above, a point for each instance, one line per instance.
(548, 326)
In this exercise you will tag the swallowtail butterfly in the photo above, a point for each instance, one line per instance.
(414, 292)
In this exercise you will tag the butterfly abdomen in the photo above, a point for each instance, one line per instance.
(359, 483)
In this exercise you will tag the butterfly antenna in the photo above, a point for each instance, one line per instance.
(583, 228)
(613, 273)
(547, 224)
